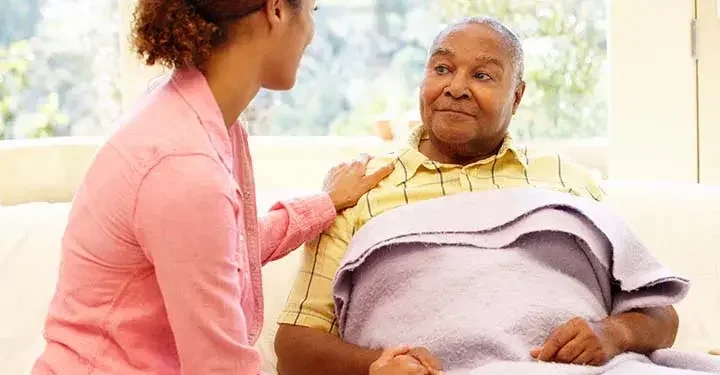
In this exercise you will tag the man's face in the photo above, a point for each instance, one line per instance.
(470, 91)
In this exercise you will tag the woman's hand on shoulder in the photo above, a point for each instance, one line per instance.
(347, 182)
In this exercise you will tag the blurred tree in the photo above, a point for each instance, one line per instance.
(46, 120)
(565, 44)
(68, 81)
(365, 61)
(17, 19)
(13, 79)
(368, 57)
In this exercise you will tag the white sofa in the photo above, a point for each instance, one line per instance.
(679, 222)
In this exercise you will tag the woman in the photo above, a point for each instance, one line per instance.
(161, 257)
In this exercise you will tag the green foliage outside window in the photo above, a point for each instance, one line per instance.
(58, 67)
(565, 44)
(59, 72)
(368, 58)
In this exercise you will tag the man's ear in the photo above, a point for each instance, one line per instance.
(519, 91)
(276, 13)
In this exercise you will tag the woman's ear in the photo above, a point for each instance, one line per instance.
(277, 13)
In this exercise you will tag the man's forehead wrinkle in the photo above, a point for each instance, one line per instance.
(481, 57)
(442, 50)
(501, 37)
(478, 43)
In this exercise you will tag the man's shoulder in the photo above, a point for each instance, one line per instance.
(535, 156)
(545, 163)
(377, 162)
(380, 160)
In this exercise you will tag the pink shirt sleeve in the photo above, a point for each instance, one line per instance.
(185, 222)
(291, 223)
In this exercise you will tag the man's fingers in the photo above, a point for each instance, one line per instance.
(430, 363)
(535, 352)
(571, 350)
(407, 364)
(556, 341)
(426, 358)
(391, 353)
(585, 358)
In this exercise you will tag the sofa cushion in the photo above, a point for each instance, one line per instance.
(679, 224)
(676, 221)
(29, 258)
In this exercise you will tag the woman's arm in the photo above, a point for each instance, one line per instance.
(291, 223)
(185, 223)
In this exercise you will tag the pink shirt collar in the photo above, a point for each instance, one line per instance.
(194, 89)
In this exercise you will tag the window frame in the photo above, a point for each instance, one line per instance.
(708, 65)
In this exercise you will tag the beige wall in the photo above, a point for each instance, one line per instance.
(44, 170)
(652, 102)
(50, 170)
(708, 28)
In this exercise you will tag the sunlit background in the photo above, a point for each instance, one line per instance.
(60, 71)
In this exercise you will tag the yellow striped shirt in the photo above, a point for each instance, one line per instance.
(414, 179)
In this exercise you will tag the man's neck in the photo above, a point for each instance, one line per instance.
(445, 155)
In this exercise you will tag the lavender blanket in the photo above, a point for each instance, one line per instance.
(480, 279)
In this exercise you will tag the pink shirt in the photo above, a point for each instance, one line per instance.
(161, 258)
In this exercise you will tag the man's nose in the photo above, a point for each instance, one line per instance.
(458, 88)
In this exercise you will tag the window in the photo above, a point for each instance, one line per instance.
(58, 60)
(58, 71)
(368, 57)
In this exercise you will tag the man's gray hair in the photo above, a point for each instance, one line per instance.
(512, 42)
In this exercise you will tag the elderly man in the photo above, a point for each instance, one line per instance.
(472, 87)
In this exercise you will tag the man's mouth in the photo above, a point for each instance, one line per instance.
(453, 111)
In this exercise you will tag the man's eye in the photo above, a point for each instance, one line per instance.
(442, 69)
(482, 76)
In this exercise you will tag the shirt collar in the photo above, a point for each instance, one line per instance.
(195, 91)
(410, 159)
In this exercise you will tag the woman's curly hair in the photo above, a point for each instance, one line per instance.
(182, 33)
